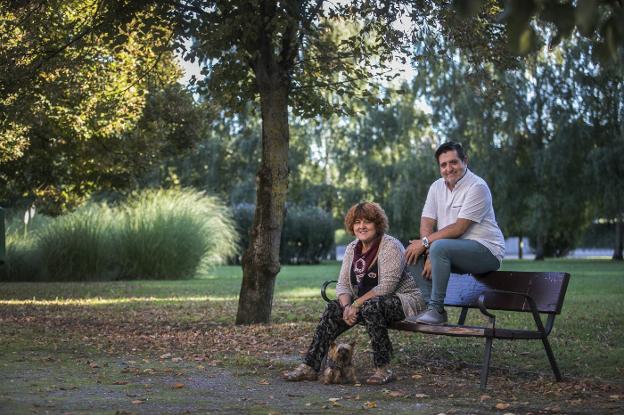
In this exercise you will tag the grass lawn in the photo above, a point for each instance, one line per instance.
(160, 326)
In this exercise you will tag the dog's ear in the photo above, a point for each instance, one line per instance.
(332, 345)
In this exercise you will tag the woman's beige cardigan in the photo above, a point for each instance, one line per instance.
(393, 277)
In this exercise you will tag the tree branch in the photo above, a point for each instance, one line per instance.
(332, 84)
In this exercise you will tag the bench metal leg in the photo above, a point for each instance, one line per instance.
(551, 359)
(462, 316)
(486, 362)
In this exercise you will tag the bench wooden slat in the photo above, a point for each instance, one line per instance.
(546, 288)
(447, 330)
(467, 331)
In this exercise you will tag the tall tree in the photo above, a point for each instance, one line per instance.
(283, 54)
(73, 80)
(601, 91)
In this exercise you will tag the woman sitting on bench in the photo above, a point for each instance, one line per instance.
(373, 288)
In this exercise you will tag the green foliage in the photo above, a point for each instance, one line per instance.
(387, 155)
(536, 135)
(225, 156)
(599, 21)
(23, 254)
(308, 235)
(598, 235)
(79, 246)
(155, 234)
(74, 77)
(317, 46)
(243, 214)
(170, 234)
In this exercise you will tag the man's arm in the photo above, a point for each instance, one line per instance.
(453, 231)
(416, 248)
(427, 225)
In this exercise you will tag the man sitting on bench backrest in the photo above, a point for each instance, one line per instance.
(467, 240)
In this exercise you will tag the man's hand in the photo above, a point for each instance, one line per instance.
(413, 251)
(426, 273)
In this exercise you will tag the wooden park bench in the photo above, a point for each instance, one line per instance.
(533, 292)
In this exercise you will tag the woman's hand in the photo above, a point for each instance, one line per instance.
(426, 273)
(349, 315)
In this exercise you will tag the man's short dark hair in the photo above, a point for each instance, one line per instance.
(450, 146)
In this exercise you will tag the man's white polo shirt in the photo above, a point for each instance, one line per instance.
(470, 199)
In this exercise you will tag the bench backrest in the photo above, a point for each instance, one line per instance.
(546, 288)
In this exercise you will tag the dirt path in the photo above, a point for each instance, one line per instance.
(71, 383)
(153, 389)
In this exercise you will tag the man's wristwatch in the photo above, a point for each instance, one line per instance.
(425, 242)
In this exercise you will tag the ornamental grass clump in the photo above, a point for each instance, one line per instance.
(79, 246)
(154, 234)
(172, 234)
(23, 256)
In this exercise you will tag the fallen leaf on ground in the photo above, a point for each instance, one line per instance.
(370, 404)
(502, 405)
(120, 382)
(421, 395)
(485, 398)
(178, 385)
(264, 382)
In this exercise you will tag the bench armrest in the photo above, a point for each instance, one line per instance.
(528, 298)
(324, 289)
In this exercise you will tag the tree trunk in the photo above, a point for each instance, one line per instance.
(539, 249)
(520, 253)
(261, 259)
(619, 240)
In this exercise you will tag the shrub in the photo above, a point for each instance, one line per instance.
(23, 256)
(79, 245)
(308, 235)
(153, 234)
(171, 234)
(243, 214)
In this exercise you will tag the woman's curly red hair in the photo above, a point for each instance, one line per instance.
(370, 211)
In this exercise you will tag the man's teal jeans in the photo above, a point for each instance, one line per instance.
(461, 256)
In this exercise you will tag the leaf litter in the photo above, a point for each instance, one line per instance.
(159, 334)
